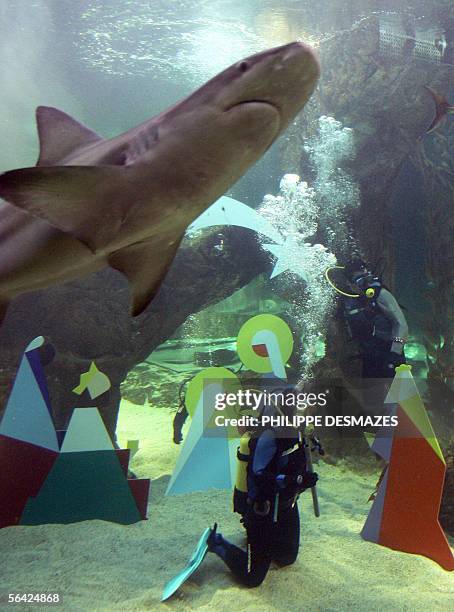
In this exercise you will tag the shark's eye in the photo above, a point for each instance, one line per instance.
(244, 66)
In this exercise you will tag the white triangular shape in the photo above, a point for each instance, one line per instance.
(86, 432)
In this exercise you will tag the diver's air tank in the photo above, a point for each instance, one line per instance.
(240, 490)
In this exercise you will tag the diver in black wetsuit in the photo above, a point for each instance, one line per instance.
(276, 475)
(376, 322)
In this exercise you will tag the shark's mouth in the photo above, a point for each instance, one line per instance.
(266, 102)
(260, 105)
(263, 102)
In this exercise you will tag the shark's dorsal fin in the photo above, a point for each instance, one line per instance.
(60, 135)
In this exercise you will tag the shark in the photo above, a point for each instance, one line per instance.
(125, 202)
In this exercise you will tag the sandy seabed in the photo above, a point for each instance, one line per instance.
(102, 566)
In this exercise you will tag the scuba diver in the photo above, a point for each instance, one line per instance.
(375, 320)
(272, 473)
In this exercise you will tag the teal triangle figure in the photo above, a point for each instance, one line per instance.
(208, 457)
(27, 416)
(81, 487)
(86, 482)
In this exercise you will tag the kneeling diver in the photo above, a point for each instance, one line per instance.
(274, 466)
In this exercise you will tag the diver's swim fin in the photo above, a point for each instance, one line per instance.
(194, 562)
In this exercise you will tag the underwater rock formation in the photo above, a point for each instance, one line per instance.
(89, 320)
(384, 100)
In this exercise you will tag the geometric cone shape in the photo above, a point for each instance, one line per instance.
(404, 391)
(27, 415)
(416, 412)
(372, 526)
(206, 376)
(123, 455)
(140, 488)
(382, 445)
(408, 511)
(205, 461)
(86, 432)
(383, 439)
(35, 344)
(35, 363)
(23, 469)
(402, 387)
(370, 438)
(83, 486)
(412, 501)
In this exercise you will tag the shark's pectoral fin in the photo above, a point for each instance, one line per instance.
(84, 201)
(60, 135)
(145, 264)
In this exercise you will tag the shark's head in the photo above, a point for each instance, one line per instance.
(255, 99)
(283, 78)
(224, 127)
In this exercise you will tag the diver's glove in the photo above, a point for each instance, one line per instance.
(259, 503)
(309, 480)
(264, 486)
